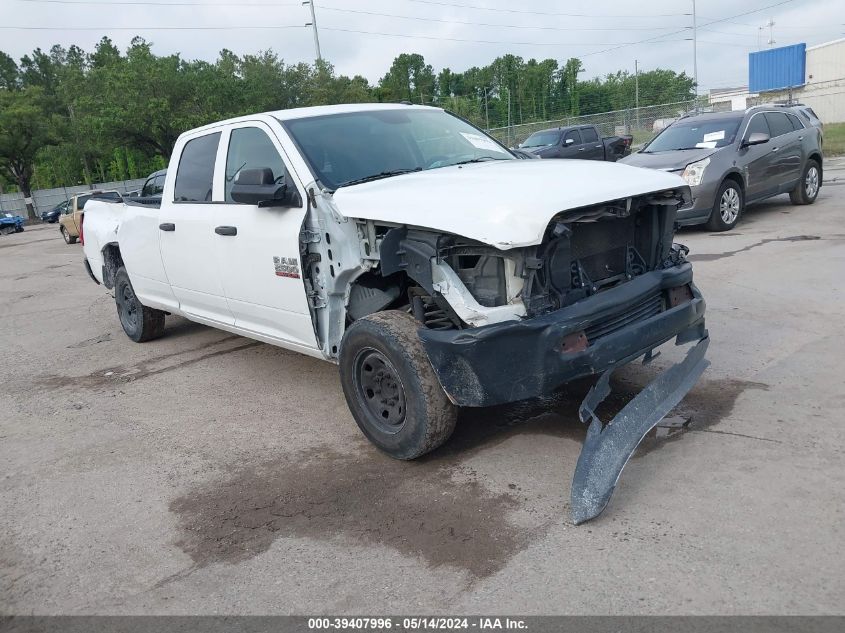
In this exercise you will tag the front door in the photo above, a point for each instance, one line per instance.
(788, 161)
(571, 145)
(259, 255)
(757, 161)
(186, 233)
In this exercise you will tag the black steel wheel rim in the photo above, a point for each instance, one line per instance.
(128, 306)
(380, 391)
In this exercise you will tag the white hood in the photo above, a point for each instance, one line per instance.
(506, 204)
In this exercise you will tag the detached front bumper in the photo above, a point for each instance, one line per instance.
(506, 362)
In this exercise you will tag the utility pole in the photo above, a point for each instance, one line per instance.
(313, 24)
(637, 90)
(771, 24)
(486, 109)
(695, 52)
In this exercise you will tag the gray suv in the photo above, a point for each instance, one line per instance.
(731, 159)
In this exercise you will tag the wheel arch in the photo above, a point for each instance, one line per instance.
(112, 261)
(736, 176)
(816, 156)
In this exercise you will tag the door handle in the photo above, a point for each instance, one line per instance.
(774, 149)
(581, 149)
(599, 146)
(167, 226)
(226, 230)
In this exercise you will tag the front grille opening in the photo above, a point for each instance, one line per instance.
(640, 311)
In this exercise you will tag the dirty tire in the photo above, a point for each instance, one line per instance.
(391, 388)
(728, 207)
(139, 322)
(69, 239)
(807, 189)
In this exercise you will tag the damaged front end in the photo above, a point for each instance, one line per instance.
(605, 286)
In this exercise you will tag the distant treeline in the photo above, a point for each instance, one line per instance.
(69, 117)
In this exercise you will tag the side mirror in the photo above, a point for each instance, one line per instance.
(756, 138)
(259, 187)
(569, 141)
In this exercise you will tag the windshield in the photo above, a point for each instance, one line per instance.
(343, 149)
(541, 139)
(692, 134)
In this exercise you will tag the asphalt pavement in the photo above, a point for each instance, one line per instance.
(207, 473)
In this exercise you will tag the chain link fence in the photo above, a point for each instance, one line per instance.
(46, 199)
(642, 123)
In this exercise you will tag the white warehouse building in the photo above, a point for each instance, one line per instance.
(823, 86)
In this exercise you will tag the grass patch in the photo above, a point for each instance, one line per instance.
(834, 139)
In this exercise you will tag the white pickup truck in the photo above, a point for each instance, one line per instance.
(432, 265)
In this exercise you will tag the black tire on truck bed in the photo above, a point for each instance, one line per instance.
(139, 322)
(391, 388)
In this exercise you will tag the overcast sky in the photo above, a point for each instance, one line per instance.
(454, 33)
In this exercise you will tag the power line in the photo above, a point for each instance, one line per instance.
(567, 15)
(497, 25)
(165, 3)
(651, 39)
(455, 39)
(147, 28)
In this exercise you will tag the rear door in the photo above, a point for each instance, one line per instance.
(593, 148)
(787, 148)
(571, 144)
(259, 256)
(187, 219)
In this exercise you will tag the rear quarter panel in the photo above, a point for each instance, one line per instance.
(138, 238)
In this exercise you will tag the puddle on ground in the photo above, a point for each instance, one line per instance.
(418, 508)
(709, 257)
(144, 369)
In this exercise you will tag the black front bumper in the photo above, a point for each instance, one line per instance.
(506, 362)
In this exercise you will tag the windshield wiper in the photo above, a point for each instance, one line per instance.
(379, 176)
(480, 159)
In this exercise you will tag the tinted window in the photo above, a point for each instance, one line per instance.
(796, 122)
(542, 139)
(574, 135)
(589, 135)
(757, 124)
(778, 123)
(149, 187)
(251, 148)
(195, 175)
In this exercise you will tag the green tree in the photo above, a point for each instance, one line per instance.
(24, 129)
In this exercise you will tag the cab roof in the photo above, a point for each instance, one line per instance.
(301, 113)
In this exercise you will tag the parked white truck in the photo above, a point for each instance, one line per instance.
(424, 258)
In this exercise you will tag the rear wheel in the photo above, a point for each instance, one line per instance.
(139, 322)
(807, 190)
(69, 239)
(391, 388)
(727, 208)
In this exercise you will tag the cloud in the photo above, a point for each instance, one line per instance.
(722, 48)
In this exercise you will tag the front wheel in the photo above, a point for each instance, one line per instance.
(807, 190)
(391, 388)
(727, 208)
(69, 239)
(139, 322)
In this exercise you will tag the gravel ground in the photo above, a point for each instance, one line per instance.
(206, 473)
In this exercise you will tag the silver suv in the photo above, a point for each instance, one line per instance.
(732, 159)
